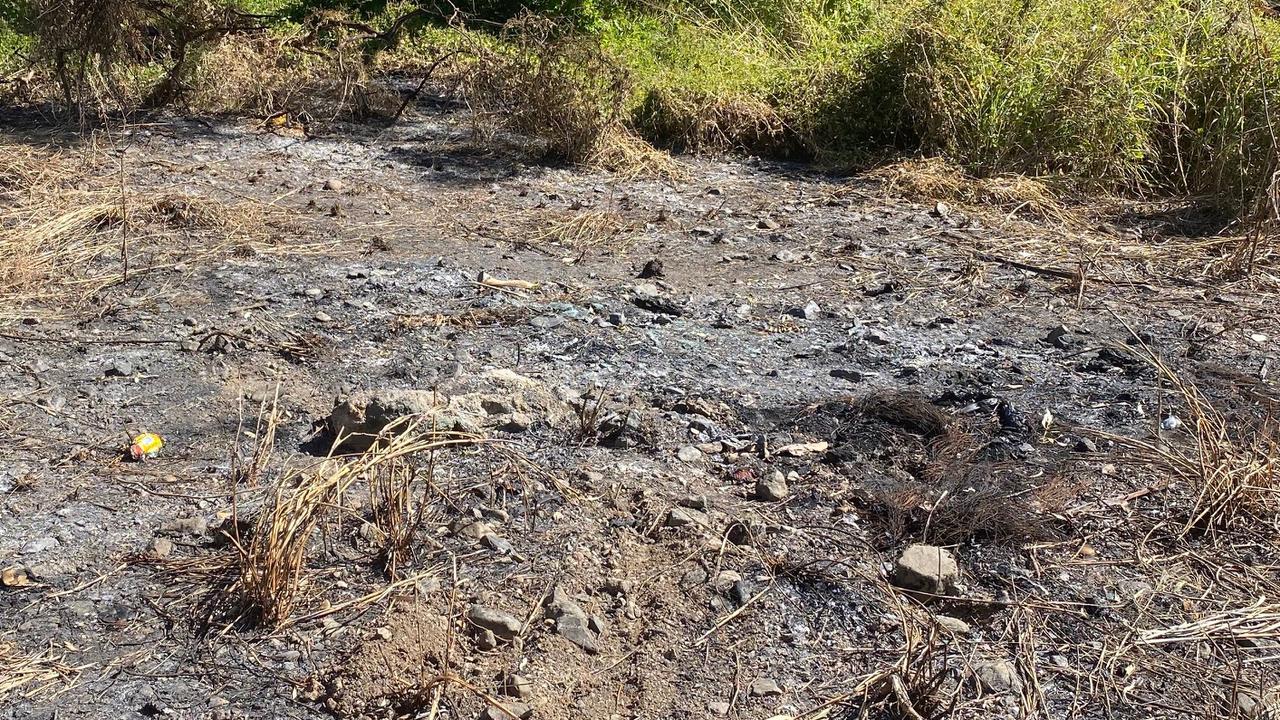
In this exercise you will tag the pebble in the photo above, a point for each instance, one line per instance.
(322, 316)
(161, 547)
(999, 676)
(926, 568)
(772, 487)
(501, 624)
(682, 517)
(810, 311)
(689, 454)
(119, 368)
(42, 544)
(765, 687)
(314, 292)
(334, 185)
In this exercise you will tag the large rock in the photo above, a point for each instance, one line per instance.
(999, 677)
(497, 399)
(926, 568)
(503, 625)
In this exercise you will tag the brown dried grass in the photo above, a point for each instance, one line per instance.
(27, 675)
(935, 179)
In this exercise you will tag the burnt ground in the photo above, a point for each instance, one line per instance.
(631, 486)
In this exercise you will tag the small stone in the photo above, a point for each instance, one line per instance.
(559, 604)
(517, 686)
(186, 526)
(697, 502)
(323, 317)
(810, 311)
(719, 707)
(926, 568)
(496, 543)
(119, 368)
(40, 545)
(546, 322)
(999, 676)
(574, 629)
(486, 640)
(652, 269)
(1061, 337)
(768, 224)
(314, 292)
(786, 256)
(683, 517)
(383, 632)
(953, 624)
(765, 687)
(617, 319)
(853, 376)
(689, 454)
(1085, 445)
(161, 548)
(503, 625)
(516, 422)
(772, 487)
(512, 711)
(334, 185)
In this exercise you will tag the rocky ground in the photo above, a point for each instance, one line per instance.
(758, 443)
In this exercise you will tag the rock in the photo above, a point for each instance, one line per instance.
(696, 502)
(334, 185)
(999, 676)
(42, 544)
(953, 624)
(768, 223)
(516, 422)
(486, 640)
(683, 517)
(786, 256)
(558, 604)
(597, 624)
(658, 305)
(772, 487)
(1085, 445)
(546, 322)
(365, 415)
(652, 269)
(765, 687)
(1061, 337)
(119, 368)
(517, 686)
(574, 629)
(16, 576)
(689, 454)
(512, 711)
(810, 311)
(719, 707)
(496, 543)
(1253, 706)
(853, 376)
(314, 293)
(926, 568)
(616, 319)
(160, 548)
(741, 592)
(186, 526)
(322, 316)
(501, 624)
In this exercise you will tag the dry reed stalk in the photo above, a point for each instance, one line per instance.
(1231, 466)
(269, 563)
(27, 675)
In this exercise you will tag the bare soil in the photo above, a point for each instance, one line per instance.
(639, 502)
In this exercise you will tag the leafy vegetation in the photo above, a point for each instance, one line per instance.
(1171, 96)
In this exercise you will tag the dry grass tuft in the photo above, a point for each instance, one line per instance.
(26, 675)
(708, 123)
(69, 232)
(269, 563)
(935, 179)
(1230, 465)
(563, 90)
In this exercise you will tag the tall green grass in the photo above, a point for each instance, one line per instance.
(1170, 96)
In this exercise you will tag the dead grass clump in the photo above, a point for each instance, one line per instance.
(1231, 465)
(67, 235)
(26, 675)
(935, 179)
(263, 577)
(561, 89)
(691, 122)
